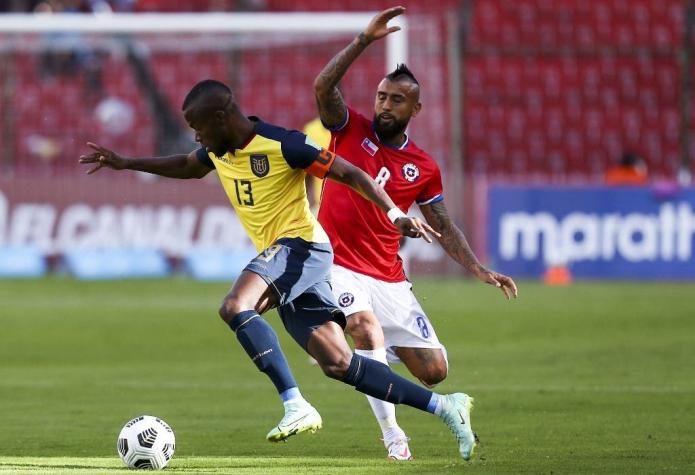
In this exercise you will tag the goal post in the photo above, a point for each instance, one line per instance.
(132, 23)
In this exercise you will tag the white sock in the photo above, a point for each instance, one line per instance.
(385, 412)
(295, 401)
(436, 401)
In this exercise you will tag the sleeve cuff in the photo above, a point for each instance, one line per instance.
(341, 126)
(434, 199)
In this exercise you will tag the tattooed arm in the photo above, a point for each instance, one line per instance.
(332, 108)
(456, 245)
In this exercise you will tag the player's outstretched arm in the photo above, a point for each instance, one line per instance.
(332, 108)
(456, 245)
(174, 166)
(345, 172)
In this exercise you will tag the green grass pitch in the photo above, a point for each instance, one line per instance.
(591, 378)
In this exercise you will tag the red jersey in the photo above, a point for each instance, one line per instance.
(363, 238)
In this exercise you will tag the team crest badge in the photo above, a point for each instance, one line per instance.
(411, 172)
(346, 299)
(260, 166)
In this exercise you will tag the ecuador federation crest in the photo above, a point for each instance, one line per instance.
(260, 166)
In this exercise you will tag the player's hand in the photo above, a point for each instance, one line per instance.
(103, 157)
(378, 28)
(504, 283)
(415, 228)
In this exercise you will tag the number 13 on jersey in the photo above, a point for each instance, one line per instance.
(244, 193)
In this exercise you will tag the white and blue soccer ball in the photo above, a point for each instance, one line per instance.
(146, 442)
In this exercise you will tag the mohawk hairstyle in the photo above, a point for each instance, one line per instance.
(401, 70)
(202, 88)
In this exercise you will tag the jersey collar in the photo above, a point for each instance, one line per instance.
(248, 140)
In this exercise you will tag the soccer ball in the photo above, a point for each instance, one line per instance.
(146, 442)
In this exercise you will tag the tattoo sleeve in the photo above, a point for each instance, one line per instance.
(453, 240)
(332, 108)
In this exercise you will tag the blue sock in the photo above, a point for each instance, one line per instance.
(261, 343)
(435, 404)
(292, 393)
(376, 379)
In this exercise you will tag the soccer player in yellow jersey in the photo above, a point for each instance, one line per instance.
(262, 168)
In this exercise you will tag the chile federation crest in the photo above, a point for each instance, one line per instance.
(346, 299)
(410, 172)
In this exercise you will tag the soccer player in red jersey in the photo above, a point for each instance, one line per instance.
(385, 320)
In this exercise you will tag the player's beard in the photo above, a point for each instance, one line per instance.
(389, 131)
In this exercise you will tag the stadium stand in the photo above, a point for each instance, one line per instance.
(564, 87)
(575, 23)
(550, 88)
(60, 136)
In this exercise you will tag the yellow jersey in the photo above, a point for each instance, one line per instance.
(318, 133)
(264, 181)
(322, 136)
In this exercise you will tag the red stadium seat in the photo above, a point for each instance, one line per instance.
(583, 109)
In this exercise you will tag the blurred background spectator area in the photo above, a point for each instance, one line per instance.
(521, 89)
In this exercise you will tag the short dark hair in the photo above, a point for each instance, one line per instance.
(400, 71)
(204, 87)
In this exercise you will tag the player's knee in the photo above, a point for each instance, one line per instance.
(336, 366)
(433, 375)
(230, 308)
(365, 331)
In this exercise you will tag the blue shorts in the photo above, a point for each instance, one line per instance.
(299, 273)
